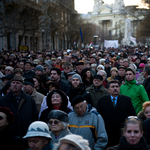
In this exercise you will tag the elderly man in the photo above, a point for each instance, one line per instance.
(29, 89)
(78, 88)
(29, 73)
(134, 90)
(104, 75)
(97, 90)
(22, 106)
(114, 109)
(85, 121)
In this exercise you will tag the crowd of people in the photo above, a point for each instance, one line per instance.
(75, 99)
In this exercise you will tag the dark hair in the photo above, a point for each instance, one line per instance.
(147, 69)
(56, 69)
(40, 82)
(18, 70)
(112, 81)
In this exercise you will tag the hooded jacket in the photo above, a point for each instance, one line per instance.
(90, 126)
(136, 92)
(63, 107)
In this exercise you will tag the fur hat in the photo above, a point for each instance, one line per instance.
(77, 99)
(40, 68)
(58, 114)
(76, 76)
(29, 81)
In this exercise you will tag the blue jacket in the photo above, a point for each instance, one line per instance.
(90, 126)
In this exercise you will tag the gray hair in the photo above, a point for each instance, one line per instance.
(102, 71)
(65, 124)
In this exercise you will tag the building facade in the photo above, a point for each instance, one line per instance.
(19, 26)
(112, 20)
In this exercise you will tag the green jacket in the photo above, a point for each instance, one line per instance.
(136, 92)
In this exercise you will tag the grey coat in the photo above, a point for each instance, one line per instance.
(97, 94)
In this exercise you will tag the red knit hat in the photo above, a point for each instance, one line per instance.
(9, 114)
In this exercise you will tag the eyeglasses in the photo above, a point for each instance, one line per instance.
(66, 67)
(54, 122)
(1, 117)
(80, 107)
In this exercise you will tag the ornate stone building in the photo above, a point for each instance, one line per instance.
(111, 19)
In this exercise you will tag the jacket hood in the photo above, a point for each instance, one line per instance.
(63, 96)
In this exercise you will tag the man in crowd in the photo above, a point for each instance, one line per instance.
(114, 109)
(85, 121)
(121, 74)
(79, 67)
(78, 88)
(146, 82)
(29, 89)
(39, 72)
(104, 75)
(55, 75)
(29, 73)
(67, 68)
(134, 90)
(97, 90)
(22, 106)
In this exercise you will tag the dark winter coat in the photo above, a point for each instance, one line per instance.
(80, 91)
(9, 140)
(25, 111)
(29, 74)
(114, 117)
(146, 84)
(64, 86)
(124, 145)
(146, 128)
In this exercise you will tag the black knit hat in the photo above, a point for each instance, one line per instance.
(77, 99)
(29, 81)
(58, 114)
(98, 77)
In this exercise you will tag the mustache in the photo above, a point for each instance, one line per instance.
(12, 87)
(115, 91)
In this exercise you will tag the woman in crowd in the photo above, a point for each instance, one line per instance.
(132, 138)
(8, 137)
(145, 113)
(56, 100)
(38, 85)
(87, 77)
(58, 123)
